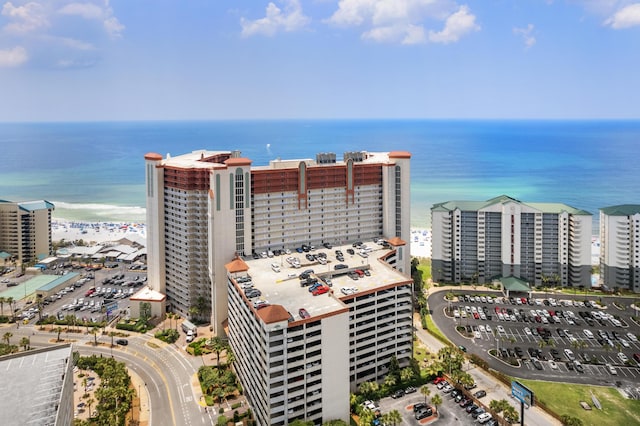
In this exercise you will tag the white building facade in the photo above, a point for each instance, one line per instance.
(25, 229)
(205, 207)
(542, 243)
(620, 247)
(300, 355)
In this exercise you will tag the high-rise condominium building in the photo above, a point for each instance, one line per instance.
(620, 247)
(302, 346)
(542, 243)
(205, 207)
(25, 229)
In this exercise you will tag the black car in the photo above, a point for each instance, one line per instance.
(465, 403)
(470, 408)
(475, 413)
(419, 407)
(555, 355)
(122, 342)
(426, 412)
(398, 394)
(480, 394)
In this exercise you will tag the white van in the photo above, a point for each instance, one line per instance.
(484, 418)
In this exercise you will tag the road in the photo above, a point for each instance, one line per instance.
(166, 373)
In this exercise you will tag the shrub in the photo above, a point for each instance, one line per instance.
(169, 335)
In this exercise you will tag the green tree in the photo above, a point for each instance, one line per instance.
(11, 303)
(95, 332)
(337, 422)
(406, 374)
(7, 337)
(3, 300)
(25, 342)
(58, 330)
(218, 346)
(392, 417)
(368, 390)
(389, 380)
(145, 312)
(394, 368)
(39, 306)
(193, 312)
(436, 400)
(510, 414)
(367, 417)
(112, 334)
(498, 405)
(424, 390)
(298, 422)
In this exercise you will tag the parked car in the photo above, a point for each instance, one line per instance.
(481, 393)
(122, 342)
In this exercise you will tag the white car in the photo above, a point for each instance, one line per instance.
(484, 418)
(569, 354)
(588, 333)
(624, 343)
(553, 365)
(481, 328)
(612, 369)
(622, 357)
(632, 337)
(488, 328)
(501, 329)
(477, 335)
(527, 331)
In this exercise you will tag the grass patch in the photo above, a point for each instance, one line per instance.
(563, 398)
(434, 330)
(425, 269)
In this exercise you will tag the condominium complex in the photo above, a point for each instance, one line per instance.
(620, 247)
(205, 207)
(25, 229)
(542, 243)
(302, 346)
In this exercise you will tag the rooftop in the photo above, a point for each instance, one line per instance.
(279, 282)
(554, 208)
(31, 385)
(147, 294)
(621, 210)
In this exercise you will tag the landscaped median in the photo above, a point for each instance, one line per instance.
(564, 399)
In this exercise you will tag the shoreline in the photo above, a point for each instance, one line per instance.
(97, 232)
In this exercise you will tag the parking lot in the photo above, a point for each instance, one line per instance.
(93, 298)
(549, 338)
(450, 412)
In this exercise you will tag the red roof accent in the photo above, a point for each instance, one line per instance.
(237, 162)
(397, 241)
(399, 154)
(153, 156)
(236, 265)
(273, 313)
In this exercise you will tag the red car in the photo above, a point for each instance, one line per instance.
(320, 290)
(438, 380)
(303, 313)
(475, 315)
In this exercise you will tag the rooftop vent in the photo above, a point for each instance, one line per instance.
(326, 158)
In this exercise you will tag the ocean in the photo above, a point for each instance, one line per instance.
(95, 171)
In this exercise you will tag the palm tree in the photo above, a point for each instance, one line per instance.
(393, 417)
(217, 346)
(389, 380)
(424, 390)
(112, 335)
(11, 302)
(498, 405)
(59, 330)
(436, 400)
(25, 342)
(406, 374)
(2, 302)
(366, 417)
(7, 336)
(510, 414)
(94, 331)
(368, 389)
(90, 402)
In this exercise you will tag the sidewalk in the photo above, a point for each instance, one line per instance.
(534, 416)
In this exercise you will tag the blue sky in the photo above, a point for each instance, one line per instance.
(226, 59)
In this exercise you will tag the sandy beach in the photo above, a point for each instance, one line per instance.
(97, 232)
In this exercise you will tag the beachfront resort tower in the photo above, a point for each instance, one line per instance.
(25, 230)
(620, 247)
(540, 243)
(205, 207)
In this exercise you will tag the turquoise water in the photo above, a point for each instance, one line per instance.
(95, 171)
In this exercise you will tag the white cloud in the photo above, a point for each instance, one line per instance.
(529, 40)
(292, 19)
(404, 21)
(627, 17)
(457, 25)
(85, 10)
(30, 17)
(13, 57)
(92, 11)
